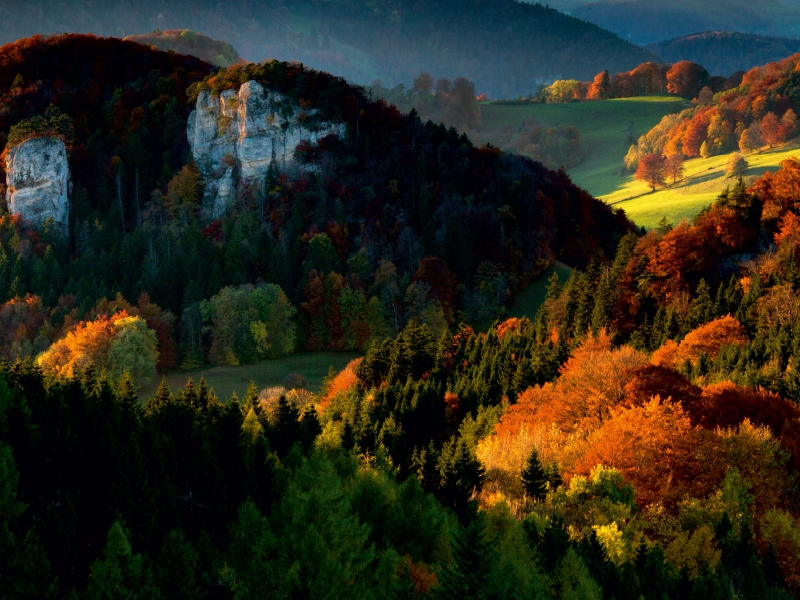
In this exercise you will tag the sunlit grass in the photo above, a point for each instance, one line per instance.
(704, 180)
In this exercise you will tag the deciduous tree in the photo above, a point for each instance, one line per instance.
(651, 170)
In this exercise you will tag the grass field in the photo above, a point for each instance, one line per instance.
(604, 127)
(704, 180)
(226, 380)
(528, 301)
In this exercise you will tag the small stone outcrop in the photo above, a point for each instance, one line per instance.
(235, 136)
(38, 181)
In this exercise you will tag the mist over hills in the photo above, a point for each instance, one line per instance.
(725, 52)
(506, 47)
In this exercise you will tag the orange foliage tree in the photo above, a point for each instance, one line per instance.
(651, 170)
(686, 79)
(707, 339)
(649, 444)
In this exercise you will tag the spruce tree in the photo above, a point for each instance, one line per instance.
(285, 428)
(310, 427)
(534, 477)
(176, 569)
(467, 577)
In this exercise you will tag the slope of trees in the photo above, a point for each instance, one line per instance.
(398, 219)
(504, 48)
(761, 110)
(640, 437)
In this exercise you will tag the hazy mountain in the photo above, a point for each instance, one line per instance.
(650, 21)
(186, 41)
(506, 47)
(725, 52)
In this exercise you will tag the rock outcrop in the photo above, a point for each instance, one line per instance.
(235, 136)
(38, 181)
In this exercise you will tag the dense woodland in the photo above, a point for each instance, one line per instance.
(399, 219)
(505, 47)
(638, 438)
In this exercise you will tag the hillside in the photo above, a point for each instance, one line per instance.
(652, 21)
(450, 469)
(725, 52)
(505, 47)
(757, 116)
(606, 128)
(703, 181)
(186, 41)
(367, 218)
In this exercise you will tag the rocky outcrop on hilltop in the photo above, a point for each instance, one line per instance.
(38, 181)
(235, 136)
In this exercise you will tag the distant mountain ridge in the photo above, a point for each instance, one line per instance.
(653, 21)
(725, 52)
(505, 47)
(186, 41)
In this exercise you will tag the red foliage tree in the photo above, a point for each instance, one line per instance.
(686, 79)
(651, 170)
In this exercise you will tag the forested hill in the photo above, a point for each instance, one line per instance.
(725, 52)
(651, 21)
(403, 218)
(505, 47)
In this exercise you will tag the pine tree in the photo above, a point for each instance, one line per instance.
(467, 577)
(310, 427)
(461, 475)
(701, 309)
(176, 569)
(285, 429)
(534, 477)
(121, 574)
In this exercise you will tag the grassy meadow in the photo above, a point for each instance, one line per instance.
(703, 181)
(608, 129)
(226, 380)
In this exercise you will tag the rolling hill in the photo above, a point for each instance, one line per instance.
(725, 52)
(505, 47)
(652, 21)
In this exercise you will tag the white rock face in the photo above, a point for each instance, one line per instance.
(245, 131)
(38, 181)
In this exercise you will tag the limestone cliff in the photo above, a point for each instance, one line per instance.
(235, 136)
(38, 181)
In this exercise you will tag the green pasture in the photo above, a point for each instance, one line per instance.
(226, 380)
(607, 128)
(703, 181)
(528, 301)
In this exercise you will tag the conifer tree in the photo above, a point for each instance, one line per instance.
(285, 429)
(534, 477)
(467, 577)
(310, 427)
(176, 569)
(121, 574)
